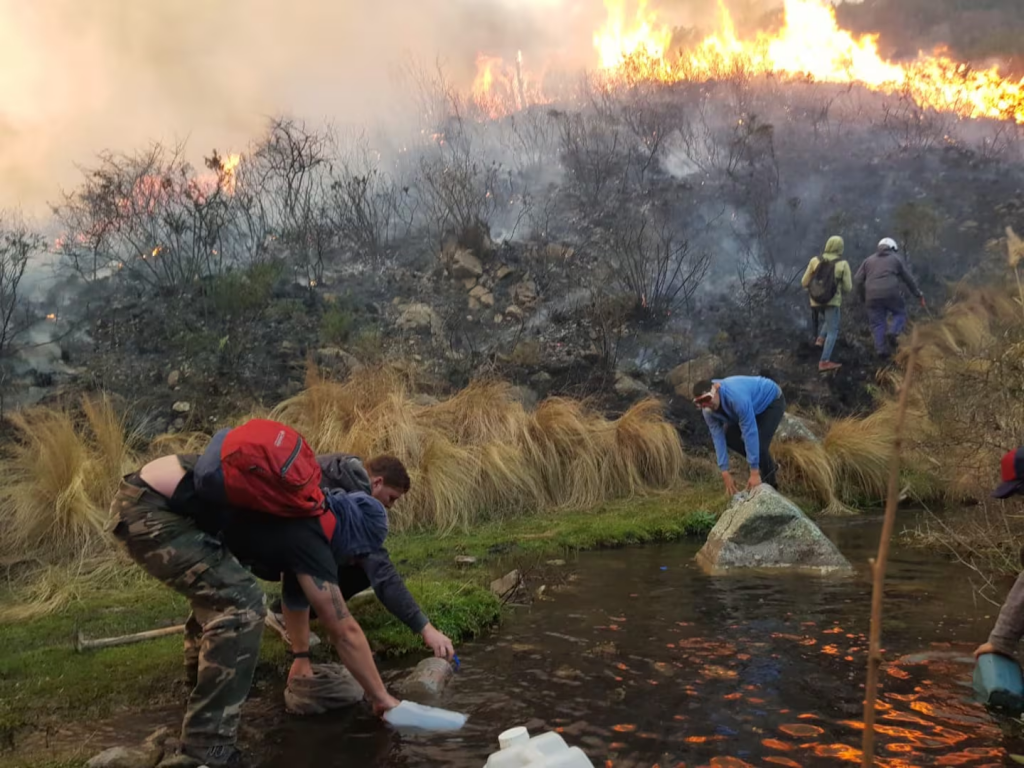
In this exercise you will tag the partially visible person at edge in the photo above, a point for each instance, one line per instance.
(878, 285)
(742, 413)
(830, 312)
(173, 535)
(386, 479)
(1009, 626)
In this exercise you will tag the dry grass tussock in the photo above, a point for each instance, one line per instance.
(965, 413)
(59, 476)
(480, 454)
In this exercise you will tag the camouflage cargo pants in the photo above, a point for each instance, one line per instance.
(226, 622)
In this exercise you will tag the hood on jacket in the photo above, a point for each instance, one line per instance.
(833, 248)
(362, 523)
(343, 471)
(885, 251)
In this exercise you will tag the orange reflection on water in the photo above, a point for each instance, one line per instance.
(896, 672)
(837, 751)
(776, 744)
(624, 728)
(801, 731)
(729, 762)
(831, 650)
(783, 761)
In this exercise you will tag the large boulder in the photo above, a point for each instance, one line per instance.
(419, 317)
(764, 529)
(465, 265)
(683, 377)
(795, 429)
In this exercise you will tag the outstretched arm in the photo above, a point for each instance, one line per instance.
(348, 639)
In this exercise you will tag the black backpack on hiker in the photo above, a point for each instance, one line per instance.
(822, 287)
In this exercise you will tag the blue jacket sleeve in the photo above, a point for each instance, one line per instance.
(748, 428)
(391, 590)
(718, 437)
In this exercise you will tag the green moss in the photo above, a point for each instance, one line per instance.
(43, 679)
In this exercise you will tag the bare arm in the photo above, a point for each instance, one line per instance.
(348, 639)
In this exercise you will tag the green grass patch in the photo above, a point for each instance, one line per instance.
(43, 679)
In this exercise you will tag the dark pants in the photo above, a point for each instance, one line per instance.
(767, 422)
(879, 313)
(351, 580)
(223, 631)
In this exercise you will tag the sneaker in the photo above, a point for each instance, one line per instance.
(819, 342)
(826, 366)
(275, 621)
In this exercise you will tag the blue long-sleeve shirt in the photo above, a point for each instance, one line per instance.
(742, 399)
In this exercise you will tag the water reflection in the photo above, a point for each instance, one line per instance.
(641, 666)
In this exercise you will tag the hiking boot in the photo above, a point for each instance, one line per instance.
(275, 621)
(819, 342)
(826, 366)
(224, 756)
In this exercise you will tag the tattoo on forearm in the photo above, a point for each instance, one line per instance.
(340, 610)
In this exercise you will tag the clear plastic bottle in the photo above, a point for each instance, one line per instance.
(409, 714)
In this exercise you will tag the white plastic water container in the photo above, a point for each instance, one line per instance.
(548, 750)
(409, 714)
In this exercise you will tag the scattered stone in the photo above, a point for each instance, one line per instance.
(506, 584)
(498, 318)
(144, 756)
(177, 425)
(764, 529)
(419, 317)
(173, 378)
(487, 299)
(469, 282)
(538, 593)
(478, 291)
(181, 406)
(683, 377)
(424, 400)
(503, 272)
(474, 304)
(464, 560)
(525, 293)
(515, 313)
(526, 397)
(556, 252)
(465, 265)
(556, 562)
(626, 386)
(541, 378)
(795, 429)
(337, 357)
(430, 677)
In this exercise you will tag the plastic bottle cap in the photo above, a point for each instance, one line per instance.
(514, 737)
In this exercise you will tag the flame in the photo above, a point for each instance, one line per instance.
(51, 316)
(228, 166)
(500, 88)
(810, 45)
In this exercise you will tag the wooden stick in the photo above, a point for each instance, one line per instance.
(878, 565)
(84, 644)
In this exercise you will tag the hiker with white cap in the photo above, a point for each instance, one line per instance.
(878, 284)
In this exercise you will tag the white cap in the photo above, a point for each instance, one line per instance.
(889, 243)
(513, 737)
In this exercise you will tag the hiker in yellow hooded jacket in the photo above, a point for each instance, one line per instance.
(827, 278)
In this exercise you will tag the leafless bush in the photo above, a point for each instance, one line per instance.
(369, 208)
(660, 271)
(647, 116)
(530, 136)
(458, 189)
(290, 170)
(913, 128)
(17, 245)
(148, 217)
(593, 154)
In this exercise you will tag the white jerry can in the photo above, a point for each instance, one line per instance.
(548, 750)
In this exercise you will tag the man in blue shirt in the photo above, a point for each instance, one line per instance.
(742, 413)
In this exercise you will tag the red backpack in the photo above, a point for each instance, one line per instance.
(268, 466)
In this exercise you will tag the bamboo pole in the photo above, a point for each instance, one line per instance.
(878, 564)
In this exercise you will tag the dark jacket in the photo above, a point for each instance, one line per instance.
(345, 472)
(879, 277)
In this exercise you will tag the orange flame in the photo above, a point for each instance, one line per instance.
(499, 88)
(810, 45)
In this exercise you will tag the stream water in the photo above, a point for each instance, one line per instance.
(642, 660)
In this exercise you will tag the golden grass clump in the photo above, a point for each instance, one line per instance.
(59, 477)
(480, 454)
